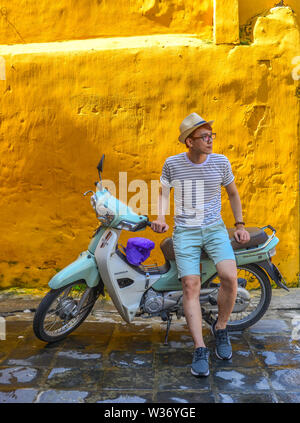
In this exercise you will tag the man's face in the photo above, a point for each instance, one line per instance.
(199, 140)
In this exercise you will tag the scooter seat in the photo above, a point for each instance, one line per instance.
(257, 237)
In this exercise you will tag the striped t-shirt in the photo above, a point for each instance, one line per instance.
(197, 187)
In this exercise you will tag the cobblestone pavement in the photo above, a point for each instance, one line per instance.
(108, 360)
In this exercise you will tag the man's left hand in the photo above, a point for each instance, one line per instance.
(241, 235)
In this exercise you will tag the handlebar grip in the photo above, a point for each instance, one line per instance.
(141, 225)
(149, 224)
(270, 227)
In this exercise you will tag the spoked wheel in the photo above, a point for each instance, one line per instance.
(253, 298)
(63, 310)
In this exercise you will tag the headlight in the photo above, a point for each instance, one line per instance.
(104, 214)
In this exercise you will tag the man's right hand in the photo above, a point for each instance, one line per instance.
(159, 226)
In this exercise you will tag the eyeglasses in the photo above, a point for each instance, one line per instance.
(206, 137)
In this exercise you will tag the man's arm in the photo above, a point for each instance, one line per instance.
(240, 234)
(160, 225)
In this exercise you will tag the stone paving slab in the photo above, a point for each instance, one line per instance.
(107, 360)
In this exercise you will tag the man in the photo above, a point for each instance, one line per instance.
(197, 177)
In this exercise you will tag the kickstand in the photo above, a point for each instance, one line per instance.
(168, 328)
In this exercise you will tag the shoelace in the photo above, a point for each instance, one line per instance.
(201, 353)
(222, 335)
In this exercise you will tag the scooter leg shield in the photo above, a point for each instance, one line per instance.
(84, 267)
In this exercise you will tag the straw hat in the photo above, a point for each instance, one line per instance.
(190, 124)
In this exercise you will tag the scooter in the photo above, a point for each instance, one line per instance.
(150, 290)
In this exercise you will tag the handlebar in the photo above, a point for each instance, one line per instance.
(148, 223)
(143, 225)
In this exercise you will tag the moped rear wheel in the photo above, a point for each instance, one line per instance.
(62, 310)
(256, 283)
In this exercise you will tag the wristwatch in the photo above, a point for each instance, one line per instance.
(239, 223)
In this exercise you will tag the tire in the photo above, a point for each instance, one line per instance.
(43, 308)
(263, 305)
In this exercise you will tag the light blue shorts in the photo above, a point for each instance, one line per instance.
(188, 243)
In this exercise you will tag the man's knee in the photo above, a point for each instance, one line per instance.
(229, 282)
(227, 273)
(191, 285)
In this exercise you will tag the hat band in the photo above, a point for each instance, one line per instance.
(202, 121)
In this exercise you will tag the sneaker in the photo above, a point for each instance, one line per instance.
(200, 365)
(223, 346)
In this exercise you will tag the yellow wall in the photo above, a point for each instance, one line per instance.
(64, 104)
(39, 21)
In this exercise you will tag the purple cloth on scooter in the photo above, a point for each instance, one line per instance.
(138, 250)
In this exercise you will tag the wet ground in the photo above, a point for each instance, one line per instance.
(108, 360)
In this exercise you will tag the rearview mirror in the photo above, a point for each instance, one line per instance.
(100, 165)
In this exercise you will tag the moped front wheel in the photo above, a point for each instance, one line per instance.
(62, 310)
(252, 300)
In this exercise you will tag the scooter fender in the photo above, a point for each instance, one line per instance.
(84, 267)
(274, 273)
